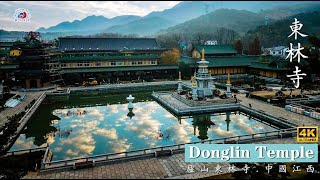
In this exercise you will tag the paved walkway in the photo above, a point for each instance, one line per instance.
(173, 101)
(19, 108)
(278, 111)
(172, 167)
(128, 85)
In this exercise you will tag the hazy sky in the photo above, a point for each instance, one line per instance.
(49, 13)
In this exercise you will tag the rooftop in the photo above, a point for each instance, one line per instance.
(278, 48)
(224, 61)
(6, 44)
(108, 44)
(104, 58)
(217, 49)
(240, 61)
(120, 68)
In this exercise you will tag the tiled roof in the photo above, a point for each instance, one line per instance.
(6, 44)
(225, 61)
(231, 61)
(106, 58)
(107, 44)
(237, 61)
(121, 68)
(268, 66)
(278, 48)
(216, 49)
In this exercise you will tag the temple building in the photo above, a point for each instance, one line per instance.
(33, 63)
(98, 55)
(5, 48)
(36, 64)
(223, 59)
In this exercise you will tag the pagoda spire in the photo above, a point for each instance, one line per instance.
(202, 57)
(228, 81)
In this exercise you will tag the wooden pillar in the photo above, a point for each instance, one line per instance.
(27, 83)
(39, 83)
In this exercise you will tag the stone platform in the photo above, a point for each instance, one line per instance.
(181, 106)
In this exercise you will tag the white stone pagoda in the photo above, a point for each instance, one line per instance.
(204, 79)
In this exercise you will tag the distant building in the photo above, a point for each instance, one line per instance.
(217, 50)
(278, 51)
(266, 51)
(5, 45)
(5, 50)
(211, 42)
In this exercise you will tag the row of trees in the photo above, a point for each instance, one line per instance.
(222, 36)
(174, 40)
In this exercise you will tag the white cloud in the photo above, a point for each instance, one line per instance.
(121, 145)
(108, 133)
(50, 13)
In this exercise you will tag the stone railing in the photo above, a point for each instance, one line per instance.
(149, 152)
(193, 103)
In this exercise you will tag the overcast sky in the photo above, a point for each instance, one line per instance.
(50, 13)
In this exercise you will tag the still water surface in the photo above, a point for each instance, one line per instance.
(72, 130)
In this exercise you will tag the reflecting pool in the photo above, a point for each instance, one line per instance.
(79, 131)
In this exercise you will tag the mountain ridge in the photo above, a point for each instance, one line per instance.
(90, 23)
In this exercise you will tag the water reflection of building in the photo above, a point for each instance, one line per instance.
(130, 113)
(61, 132)
(71, 112)
(203, 122)
(41, 130)
(41, 135)
(228, 119)
(179, 119)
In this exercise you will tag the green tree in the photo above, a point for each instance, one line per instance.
(255, 73)
(264, 59)
(118, 75)
(185, 70)
(314, 40)
(140, 73)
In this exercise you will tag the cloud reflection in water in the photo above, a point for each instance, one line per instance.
(108, 129)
